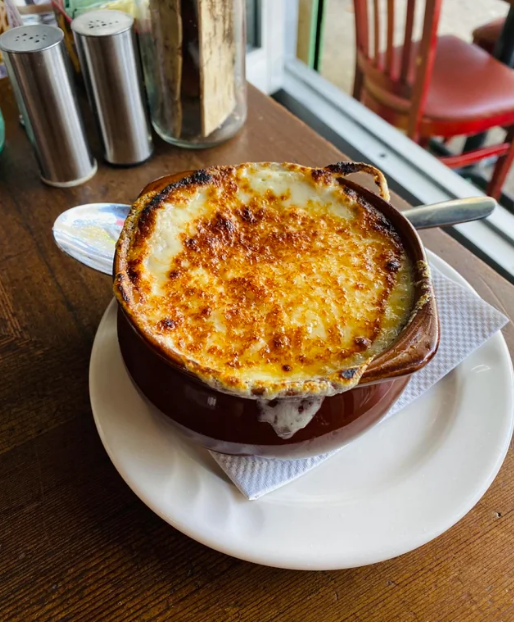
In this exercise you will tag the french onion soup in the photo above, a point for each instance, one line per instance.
(265, 281)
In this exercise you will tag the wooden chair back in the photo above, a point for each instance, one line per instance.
(393, 71)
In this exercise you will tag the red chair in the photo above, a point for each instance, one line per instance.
(434, 87)
(487, 35)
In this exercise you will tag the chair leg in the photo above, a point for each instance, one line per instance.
(358, 83)
(502, 167)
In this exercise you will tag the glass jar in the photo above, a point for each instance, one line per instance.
(193, 54)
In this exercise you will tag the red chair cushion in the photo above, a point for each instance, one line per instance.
(467, 84)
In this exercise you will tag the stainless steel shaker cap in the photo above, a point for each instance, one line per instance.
(102, 23)
(30, 38)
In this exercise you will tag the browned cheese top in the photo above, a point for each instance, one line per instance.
(264, 279)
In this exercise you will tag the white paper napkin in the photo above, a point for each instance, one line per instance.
(467, 322)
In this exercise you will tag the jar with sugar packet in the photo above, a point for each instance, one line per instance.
(193, 54)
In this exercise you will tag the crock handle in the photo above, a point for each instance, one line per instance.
(346, 168)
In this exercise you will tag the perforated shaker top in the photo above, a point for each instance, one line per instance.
(102, 23)
(32, 38)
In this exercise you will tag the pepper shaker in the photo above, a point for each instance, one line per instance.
(110, 64)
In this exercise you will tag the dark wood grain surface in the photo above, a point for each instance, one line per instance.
(75, 543)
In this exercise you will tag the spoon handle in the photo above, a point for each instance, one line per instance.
(450, 212)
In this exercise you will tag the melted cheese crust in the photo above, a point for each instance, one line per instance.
(265, 279)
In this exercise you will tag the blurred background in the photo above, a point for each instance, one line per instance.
(332, 51)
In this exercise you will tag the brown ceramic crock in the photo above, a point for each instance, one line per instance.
(229, 423)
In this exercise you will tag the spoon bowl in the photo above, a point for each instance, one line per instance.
(89, 233)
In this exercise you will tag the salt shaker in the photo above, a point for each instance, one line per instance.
(110, 64)
(39, 71)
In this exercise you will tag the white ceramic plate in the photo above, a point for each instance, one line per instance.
(395, 488)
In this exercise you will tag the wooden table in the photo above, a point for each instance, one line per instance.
(76, 544)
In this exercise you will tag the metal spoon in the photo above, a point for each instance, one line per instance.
(88, 233)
